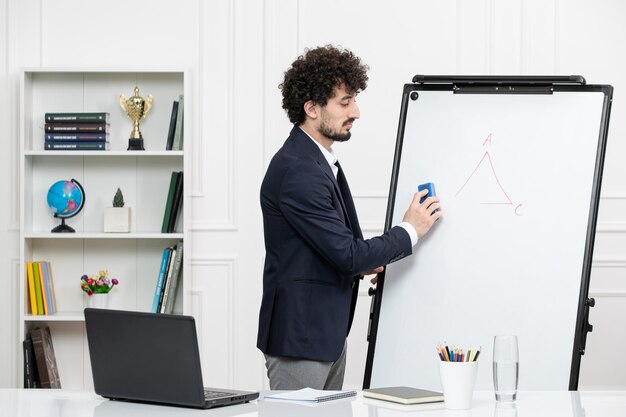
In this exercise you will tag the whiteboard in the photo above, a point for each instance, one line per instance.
(518, 183)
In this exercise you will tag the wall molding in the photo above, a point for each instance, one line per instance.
(228, 261)
(607, 294)
(13, 114)
(617, 227)
(197, 168)
(230, 119)
(612, 196)
(14, 314)
(209, 226)
(370, 194)
(199, 185)
(606, 262)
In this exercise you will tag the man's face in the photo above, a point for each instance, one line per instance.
(337, 117)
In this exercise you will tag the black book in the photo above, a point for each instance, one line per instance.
(77, 136)
(31, 375)
(176, 203)
(77, 127)
(77, 117)
(75, 146)
(172, 129)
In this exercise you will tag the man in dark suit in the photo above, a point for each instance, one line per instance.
(315, 251)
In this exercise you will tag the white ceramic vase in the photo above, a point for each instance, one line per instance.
(99, 300)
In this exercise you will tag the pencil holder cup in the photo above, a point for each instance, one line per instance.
(457, 381)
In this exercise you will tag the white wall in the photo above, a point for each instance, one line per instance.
(237, 51)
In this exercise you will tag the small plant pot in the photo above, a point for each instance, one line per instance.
(117, 219)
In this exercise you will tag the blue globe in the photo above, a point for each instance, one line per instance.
(66, 198)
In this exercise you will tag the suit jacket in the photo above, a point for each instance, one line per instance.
(315, 252)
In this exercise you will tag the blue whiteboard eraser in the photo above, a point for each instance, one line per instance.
(428, 186)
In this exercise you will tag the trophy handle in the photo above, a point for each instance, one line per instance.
(147, 105)
(123, 102)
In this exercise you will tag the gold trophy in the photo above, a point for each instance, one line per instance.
(136, 108)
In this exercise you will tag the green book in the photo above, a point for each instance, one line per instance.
(169, 202)
(38, 289)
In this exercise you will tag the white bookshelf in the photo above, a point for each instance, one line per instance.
(133, 258)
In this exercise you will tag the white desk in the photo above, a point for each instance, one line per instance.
(62, 403)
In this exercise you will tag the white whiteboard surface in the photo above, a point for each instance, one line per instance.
(515, 177)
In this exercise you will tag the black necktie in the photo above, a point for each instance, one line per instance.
(347, 201)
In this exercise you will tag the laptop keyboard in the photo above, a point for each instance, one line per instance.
(210, 394)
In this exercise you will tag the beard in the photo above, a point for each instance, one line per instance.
(332, 134)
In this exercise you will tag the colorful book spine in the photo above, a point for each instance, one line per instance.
(54, 296)
(77, 117)
(43, 266)
(44, 293)
(77, 136)
(160, 279)
(173, 284)
(166, 277)
(76, 146)
(38, 290)
(168, 280)
(31, 288)
(77, 127)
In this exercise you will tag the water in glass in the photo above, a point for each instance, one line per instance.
(505, 377)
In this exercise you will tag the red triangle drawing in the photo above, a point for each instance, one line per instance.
(487, 193)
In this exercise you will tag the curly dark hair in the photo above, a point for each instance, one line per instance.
(315, 74)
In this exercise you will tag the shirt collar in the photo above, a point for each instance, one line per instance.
(328, 155)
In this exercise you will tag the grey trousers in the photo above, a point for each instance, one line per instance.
(287, 373)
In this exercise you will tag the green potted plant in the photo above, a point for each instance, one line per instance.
(117, 218)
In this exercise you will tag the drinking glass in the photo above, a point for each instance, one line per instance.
(505, 367)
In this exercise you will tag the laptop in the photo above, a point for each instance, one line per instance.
(152, 358)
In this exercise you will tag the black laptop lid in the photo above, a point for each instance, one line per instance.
(144, 356)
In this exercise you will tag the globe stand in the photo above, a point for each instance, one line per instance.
(63, 228)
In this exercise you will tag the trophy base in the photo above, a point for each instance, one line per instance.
(135, 145)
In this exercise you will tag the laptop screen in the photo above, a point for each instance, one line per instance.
(144, 356)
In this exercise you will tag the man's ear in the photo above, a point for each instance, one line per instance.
(311, 109)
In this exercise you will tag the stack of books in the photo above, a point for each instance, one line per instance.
(40, 288)
(76, 131)
(40, 365)
(167, 281)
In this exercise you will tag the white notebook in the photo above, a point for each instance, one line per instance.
(311, 395)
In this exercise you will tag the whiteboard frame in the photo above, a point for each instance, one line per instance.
(547, 85)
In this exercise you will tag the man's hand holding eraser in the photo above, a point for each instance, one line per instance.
(428, 186)
(424, 209)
